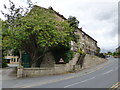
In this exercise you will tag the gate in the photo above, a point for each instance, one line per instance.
(26, 60)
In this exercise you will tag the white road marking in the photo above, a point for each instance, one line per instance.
(53, 81)
(107, 72)
(78, 82)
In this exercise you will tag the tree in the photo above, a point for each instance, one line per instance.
(109, 53)
(1, 34)
(35, 31)
(73, 21)
(3, 61)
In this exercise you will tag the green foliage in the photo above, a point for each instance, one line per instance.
(109, 53)
(98, 50)
(35, 30)
(116, 54)
(15, 52)
(76, 38)
(41, 25)
(73, 21)
(1, 34)
(80, 51)
(48, 30)
(62, 52)
(101, 55)
(4, 63)
(68, 55)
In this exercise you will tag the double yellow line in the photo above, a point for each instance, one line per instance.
(115, 86)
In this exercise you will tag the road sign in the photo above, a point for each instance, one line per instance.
(61, 60)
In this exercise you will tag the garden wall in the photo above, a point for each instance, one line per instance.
(89, 61)
(33, 72)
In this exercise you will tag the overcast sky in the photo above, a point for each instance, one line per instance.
(98, 18)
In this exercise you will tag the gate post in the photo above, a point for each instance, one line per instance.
(19, 71)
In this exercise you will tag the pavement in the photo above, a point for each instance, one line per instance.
(0, 78)
(101, 76)
(8, 73)
(13, 65)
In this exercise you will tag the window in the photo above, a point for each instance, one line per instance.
(83, 36)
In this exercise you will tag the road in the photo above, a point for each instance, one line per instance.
(101, 76)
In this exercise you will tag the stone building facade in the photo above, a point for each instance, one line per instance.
(48, 67)
(12, 59)
(118, 49)
(85, 42)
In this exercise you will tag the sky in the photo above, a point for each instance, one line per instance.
(98, 18)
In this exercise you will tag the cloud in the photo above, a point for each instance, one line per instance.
(6, 2)
(101, 23)
(98, 18)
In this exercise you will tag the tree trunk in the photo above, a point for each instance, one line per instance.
(20, 60)
(35, 56)
(48, 60)
(33, 61)
(33, 64)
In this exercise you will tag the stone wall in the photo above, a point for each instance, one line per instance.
(48, 60)
(87, 43)
(57, 69)
(89, 61)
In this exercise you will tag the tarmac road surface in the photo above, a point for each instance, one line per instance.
(101, 76)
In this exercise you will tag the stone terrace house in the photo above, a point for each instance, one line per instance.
(118, 49)
(86, 43)
(79, 62)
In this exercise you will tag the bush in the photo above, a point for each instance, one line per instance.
(101, 55)
(68, 55)
(80, 51)
(62, 52)
(116, 54)
(4, 63)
